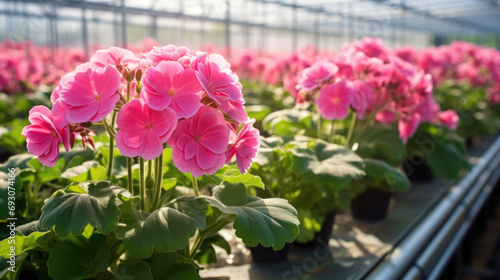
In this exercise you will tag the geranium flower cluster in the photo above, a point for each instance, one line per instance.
(191, 101)
(24, 66)
(459, 62)
(367, 79)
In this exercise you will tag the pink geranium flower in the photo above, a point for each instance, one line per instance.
(334, 100)
(222, 88)
(314, 76)
(169, 84)
(245, 147)
(43, 136)
(114, 56)
(449, 118)
(200, 143)
(143, 130)
(169, 53)
(91, 96)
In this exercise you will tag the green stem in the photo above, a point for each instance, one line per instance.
(150, 169)
(319, 126)
(351, 130)
(196, 245)
(159, 177)
(331, 132)
(195, 187)
(130, 184)
(142, 183)
(108, 128)
(111, 146)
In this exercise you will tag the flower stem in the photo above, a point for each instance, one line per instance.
(196, 245)
(319, 126)
(142, 183)
(159, 177)
(195, 187)
(331, 132)
(130, 184)
(111, 145)
(150, 169)
(351, 130)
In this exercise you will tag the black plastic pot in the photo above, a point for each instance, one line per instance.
(417, 170)
(321, 237)
(371, 206)
(261, 254)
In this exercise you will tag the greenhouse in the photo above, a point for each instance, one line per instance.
(250, 139)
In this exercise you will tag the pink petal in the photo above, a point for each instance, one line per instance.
(123, 148)
(205, 158)
(80, 114)
(151, 147)
(190, 150)
(216, 139)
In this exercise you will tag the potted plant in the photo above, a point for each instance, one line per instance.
(435, 150)
(313, 175)
(142, 215)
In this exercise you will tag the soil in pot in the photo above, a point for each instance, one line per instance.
(371, 206)
(417, 170)
(261, 254)
(321, 237)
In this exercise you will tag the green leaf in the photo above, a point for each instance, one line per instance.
(319, 160)
(134, 269)
(17, 161)
(268, 145)
(21, 243)
(289, 122)
(447, 161)
(382, 142)
(206, 253)
(88, 171)
(310, 223)
(167, 266)
(270, 222)
(166, 229)
(79, 258)
(247, 179)
(71, 210)
(385, 176)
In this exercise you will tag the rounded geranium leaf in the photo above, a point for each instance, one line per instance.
(166, 229)
(134, 269)
(319, 160)
(270, 222)
(80, 258)
(71, 210)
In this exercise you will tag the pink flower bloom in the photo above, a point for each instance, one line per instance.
(200, 143)
(449, 118)
(407, 126)
(385, 117)
(43, 136)
(222, 88)
(92, 95)
(334, 100)
(143, 130)
(169, 53)
(245, 147)
(114, 56)
(170, 85)
(363, 97)
(314, 76)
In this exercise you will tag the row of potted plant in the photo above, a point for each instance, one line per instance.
(175, 158)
